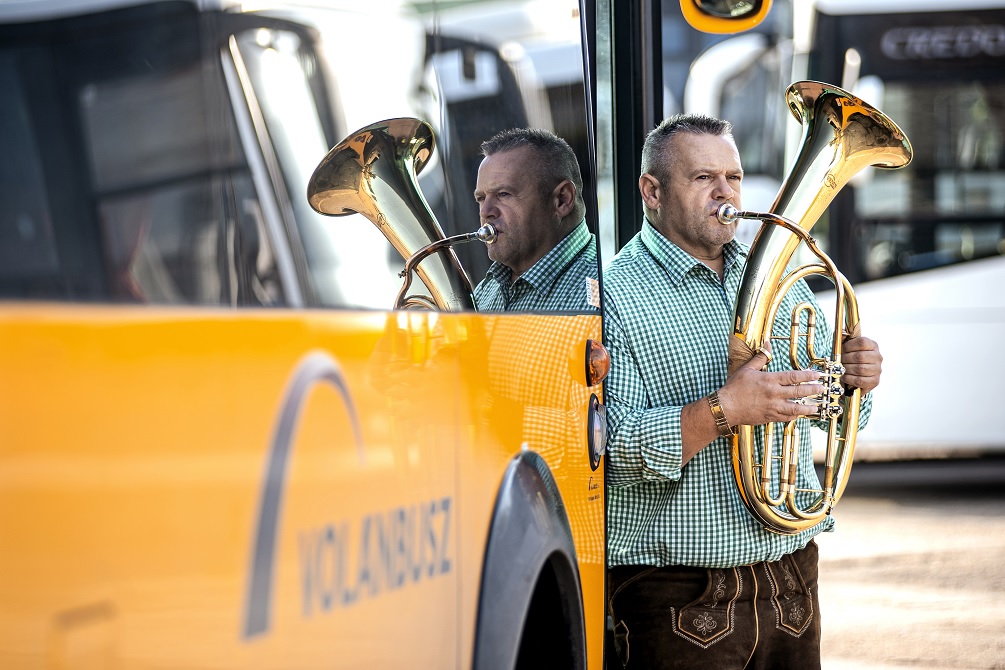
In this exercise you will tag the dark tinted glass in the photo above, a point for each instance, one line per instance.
(126, 173)
(161, 154)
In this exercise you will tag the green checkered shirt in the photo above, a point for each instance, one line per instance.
(667, 322)
(559, 282)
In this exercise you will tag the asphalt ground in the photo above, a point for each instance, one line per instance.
(914, 574)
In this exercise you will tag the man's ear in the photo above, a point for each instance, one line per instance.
(564, 198)
(649, 187)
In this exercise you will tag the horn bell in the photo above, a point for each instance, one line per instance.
(373, 172)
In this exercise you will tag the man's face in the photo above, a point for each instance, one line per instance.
(509, 197)
(704, 173)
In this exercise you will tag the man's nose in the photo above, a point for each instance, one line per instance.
(723, 190)
(487, 209)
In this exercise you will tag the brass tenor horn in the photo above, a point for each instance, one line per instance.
(373, 172)
(841, 135)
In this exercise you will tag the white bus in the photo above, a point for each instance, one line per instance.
(924, 245)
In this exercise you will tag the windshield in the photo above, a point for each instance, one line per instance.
(939, 76)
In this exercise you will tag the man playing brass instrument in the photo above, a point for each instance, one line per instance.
(544, 257)
(695, 581)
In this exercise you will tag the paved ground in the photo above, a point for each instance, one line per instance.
(914, 576)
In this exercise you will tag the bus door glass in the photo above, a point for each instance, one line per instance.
(495, 67)
(282, 86)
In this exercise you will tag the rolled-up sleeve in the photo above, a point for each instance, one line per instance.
(644, 443)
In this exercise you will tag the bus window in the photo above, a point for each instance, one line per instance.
(939, 74)
(469, 72)
(499, 67)
(172, 234)
(337, 251)
(165, 246)
(28, 255)
(160, 207)
(951, 196)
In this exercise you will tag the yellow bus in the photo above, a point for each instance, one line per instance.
(220, 445)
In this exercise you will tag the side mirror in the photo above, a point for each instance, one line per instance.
(724, 16)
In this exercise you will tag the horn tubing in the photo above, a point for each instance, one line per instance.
(486, 234)
(841, 135)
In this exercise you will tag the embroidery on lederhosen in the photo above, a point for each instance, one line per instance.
(710, 618)
(792, 601)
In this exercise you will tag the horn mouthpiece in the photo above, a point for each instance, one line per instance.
(727, 214)
(486, 234)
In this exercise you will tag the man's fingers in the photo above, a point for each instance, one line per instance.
(793, 377)
(859, 344)
(864, 382)
(865, 359)
(759, 360)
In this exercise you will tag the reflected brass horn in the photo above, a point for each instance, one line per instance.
(373, 172)
(841, 135)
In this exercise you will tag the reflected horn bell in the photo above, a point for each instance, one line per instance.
(373, 172)
(841, 135)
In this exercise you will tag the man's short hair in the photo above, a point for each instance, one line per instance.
(656, 153)
(555, 160)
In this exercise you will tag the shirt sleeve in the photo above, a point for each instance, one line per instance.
(644, 443)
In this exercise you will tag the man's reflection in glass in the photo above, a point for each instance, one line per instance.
(544, 258)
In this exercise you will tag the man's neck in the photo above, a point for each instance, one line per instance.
(713, 258)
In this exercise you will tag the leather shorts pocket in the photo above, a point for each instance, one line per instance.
(791, 589)
(711, 617)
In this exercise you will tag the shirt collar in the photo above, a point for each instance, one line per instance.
(677, 262)
(546, 271)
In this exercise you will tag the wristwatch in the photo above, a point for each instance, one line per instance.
(721, 423)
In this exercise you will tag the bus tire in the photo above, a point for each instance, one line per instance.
(530, 611)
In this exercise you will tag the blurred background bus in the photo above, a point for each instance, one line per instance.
(925, 246)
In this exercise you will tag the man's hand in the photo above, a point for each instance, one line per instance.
(862, 363)
(750, 397)
(753, 397)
